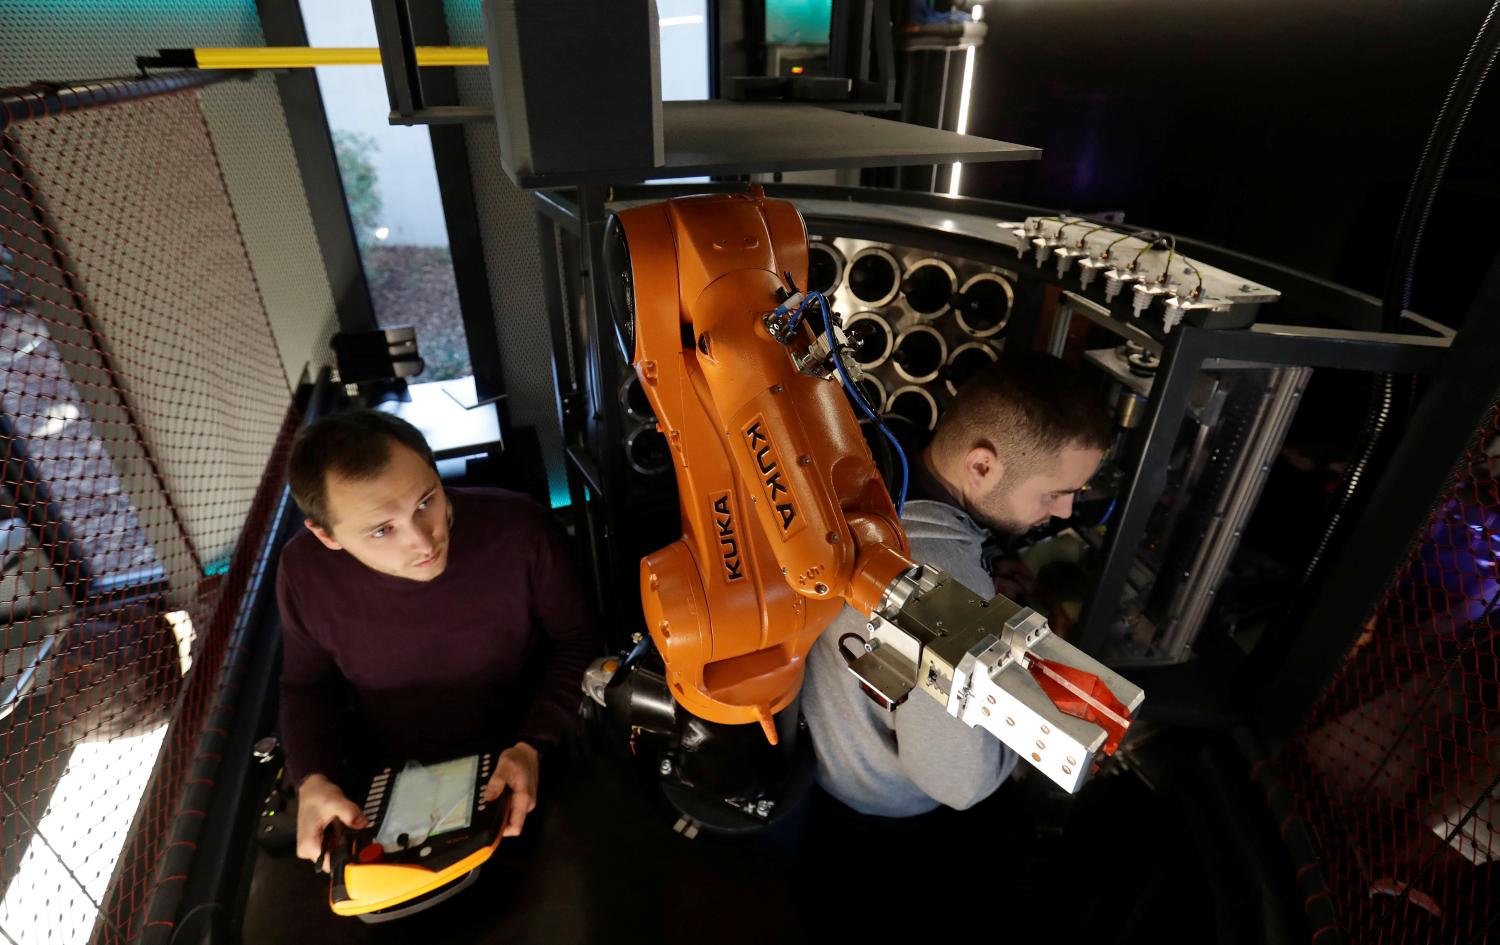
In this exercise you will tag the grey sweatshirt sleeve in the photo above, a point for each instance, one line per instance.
(907, 762)
(950, 762)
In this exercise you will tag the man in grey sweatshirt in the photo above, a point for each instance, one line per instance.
(1011, 451)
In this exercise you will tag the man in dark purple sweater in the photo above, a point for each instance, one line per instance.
(454, 617)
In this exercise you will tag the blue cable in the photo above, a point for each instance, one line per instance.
(796, 318)
(1108, 512)
(858, 397)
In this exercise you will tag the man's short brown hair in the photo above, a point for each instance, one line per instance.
(1026, 410)
(351, 445)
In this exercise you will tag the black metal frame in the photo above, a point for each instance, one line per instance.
(860, 48)
(404, 84)
(312, 142)
(450, 155)
(587, 370)
(317, 163)
(1189, 352)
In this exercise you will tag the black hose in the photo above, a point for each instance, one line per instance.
(1409, 232)
(1384, 402)
(1429, 176)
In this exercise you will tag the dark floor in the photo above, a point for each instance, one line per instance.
(603, 867)
(1131, 859)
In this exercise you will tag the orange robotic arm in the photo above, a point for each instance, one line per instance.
(784, 515)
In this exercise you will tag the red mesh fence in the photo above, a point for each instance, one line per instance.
(141, 399)
(1397, 769)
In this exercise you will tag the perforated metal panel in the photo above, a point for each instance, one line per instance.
(162, 268)
(60, 41)
(250, 135)
(507, 224)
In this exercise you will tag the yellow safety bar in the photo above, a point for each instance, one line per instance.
(307, 57)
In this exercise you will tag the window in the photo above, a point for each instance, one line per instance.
(683, 26)
(390, 183)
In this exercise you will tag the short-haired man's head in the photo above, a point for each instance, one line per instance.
(355, 445)
(1044, 426)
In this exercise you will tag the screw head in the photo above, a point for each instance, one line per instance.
(666, 766)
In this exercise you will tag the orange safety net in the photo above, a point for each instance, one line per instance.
(143, 410)
(1396, 770)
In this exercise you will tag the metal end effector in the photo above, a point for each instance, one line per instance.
(996, 665)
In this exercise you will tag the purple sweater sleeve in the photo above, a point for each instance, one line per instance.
(567, 620)
(310, 692)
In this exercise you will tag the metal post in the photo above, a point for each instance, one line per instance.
(398, 58)
(601, 371)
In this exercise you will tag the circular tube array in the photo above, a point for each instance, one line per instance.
(986, 303)
(915, 405)
(877, 340)
(966, 361)
(874, 277)
(919, 354)
(913, 356)
(825, 267)
(929, 287)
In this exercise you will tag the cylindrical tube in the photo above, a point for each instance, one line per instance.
(915, 405)
(633, 400)
(825, 267)
(647, 451)
(984, 304)
(874, 277)
(919, 354)
(929, 287)
(967, 360)
(1130, 409)
(878, 342)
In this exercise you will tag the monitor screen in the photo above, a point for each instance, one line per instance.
(428, 800)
